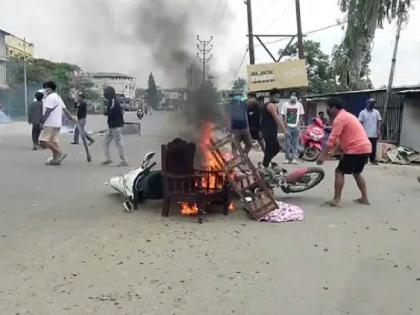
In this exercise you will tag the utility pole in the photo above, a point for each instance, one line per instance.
(25, 82)
(393, 63)
(299, 31)
(204, 48)
(250, 33)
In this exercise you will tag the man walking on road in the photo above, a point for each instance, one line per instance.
(371, 120)
(271, 124)
(81, 107)
(348, 131)
(115, 125)
(292, 113)
(35, 118)
(53, 109)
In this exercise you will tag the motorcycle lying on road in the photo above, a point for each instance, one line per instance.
(300, 180)
(142, 183)
(139, 184)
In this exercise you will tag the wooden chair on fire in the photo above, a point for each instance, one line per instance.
(182, 183)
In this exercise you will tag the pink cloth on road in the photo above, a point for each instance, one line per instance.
(285, 213)
(348, 130)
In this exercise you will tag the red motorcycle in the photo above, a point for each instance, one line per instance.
(312, 139)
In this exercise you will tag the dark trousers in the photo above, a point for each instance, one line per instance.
(374, 142)
(272, 148)
(36, 131)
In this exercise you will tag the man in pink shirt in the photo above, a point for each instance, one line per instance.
(349, 132)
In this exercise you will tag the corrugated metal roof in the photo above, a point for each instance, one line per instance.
(413, 91)
(395, 89)
(110, 75)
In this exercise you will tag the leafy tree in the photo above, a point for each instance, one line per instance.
(320, 72)
(84, 85)
(153, 95)
(239, 84)
(353, 56)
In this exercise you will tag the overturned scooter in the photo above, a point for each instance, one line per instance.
(139, 184)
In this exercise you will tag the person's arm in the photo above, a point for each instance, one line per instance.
(361, 117)
(301, 114)
(272, 109)
(336, 132)
(379, 124)
(68, 114)
(30, 113)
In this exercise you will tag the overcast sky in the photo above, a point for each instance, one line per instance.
(112, 35)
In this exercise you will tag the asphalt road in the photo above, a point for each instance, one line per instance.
(66, 247)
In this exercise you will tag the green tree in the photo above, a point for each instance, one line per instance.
(352, 57)
(320, 72)
(153, 95)
(239, 84)
(85, 85)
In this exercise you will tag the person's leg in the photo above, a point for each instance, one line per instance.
(82, 123)
(76, 135)
(108, 139)
(287, 146)
(374, 142)
(38, 133)
(338, 188)
(34, 137)
(246, 137)
(272, 147)
(294, 142)
(261, 142)
(119, 143)
(361, 183)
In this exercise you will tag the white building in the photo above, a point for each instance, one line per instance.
(124, 85)
(3, 59)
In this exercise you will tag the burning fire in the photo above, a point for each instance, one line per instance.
(210, 163)
(188, 209)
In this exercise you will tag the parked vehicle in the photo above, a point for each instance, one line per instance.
(312, 140)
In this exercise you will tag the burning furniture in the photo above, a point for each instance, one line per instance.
(194, 189)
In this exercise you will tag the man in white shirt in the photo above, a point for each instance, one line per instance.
(53, 108)
(371, 120)
(292, 113)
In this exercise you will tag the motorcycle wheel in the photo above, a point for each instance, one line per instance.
(311, 154)
(312, 177)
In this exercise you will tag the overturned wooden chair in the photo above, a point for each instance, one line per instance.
(183, 183)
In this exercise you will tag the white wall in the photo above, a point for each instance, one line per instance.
(410, 129)
(122, 86)
(2, 60)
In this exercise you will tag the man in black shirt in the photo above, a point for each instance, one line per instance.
(271, 124)
(254, 120)
(35, 118)
(115, 123)
(81, 108)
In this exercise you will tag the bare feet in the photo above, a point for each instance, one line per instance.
(333, 203)
(362, 201)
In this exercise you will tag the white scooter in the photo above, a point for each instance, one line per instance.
(139, 184)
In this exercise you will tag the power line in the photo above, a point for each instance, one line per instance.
(277, 17)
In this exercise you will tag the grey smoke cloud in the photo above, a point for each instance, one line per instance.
(140, 36)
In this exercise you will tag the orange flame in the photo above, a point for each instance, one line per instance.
(188, 209)
(209, 163)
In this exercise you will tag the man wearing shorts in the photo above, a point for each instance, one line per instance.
(53, 109)
(355, 144)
